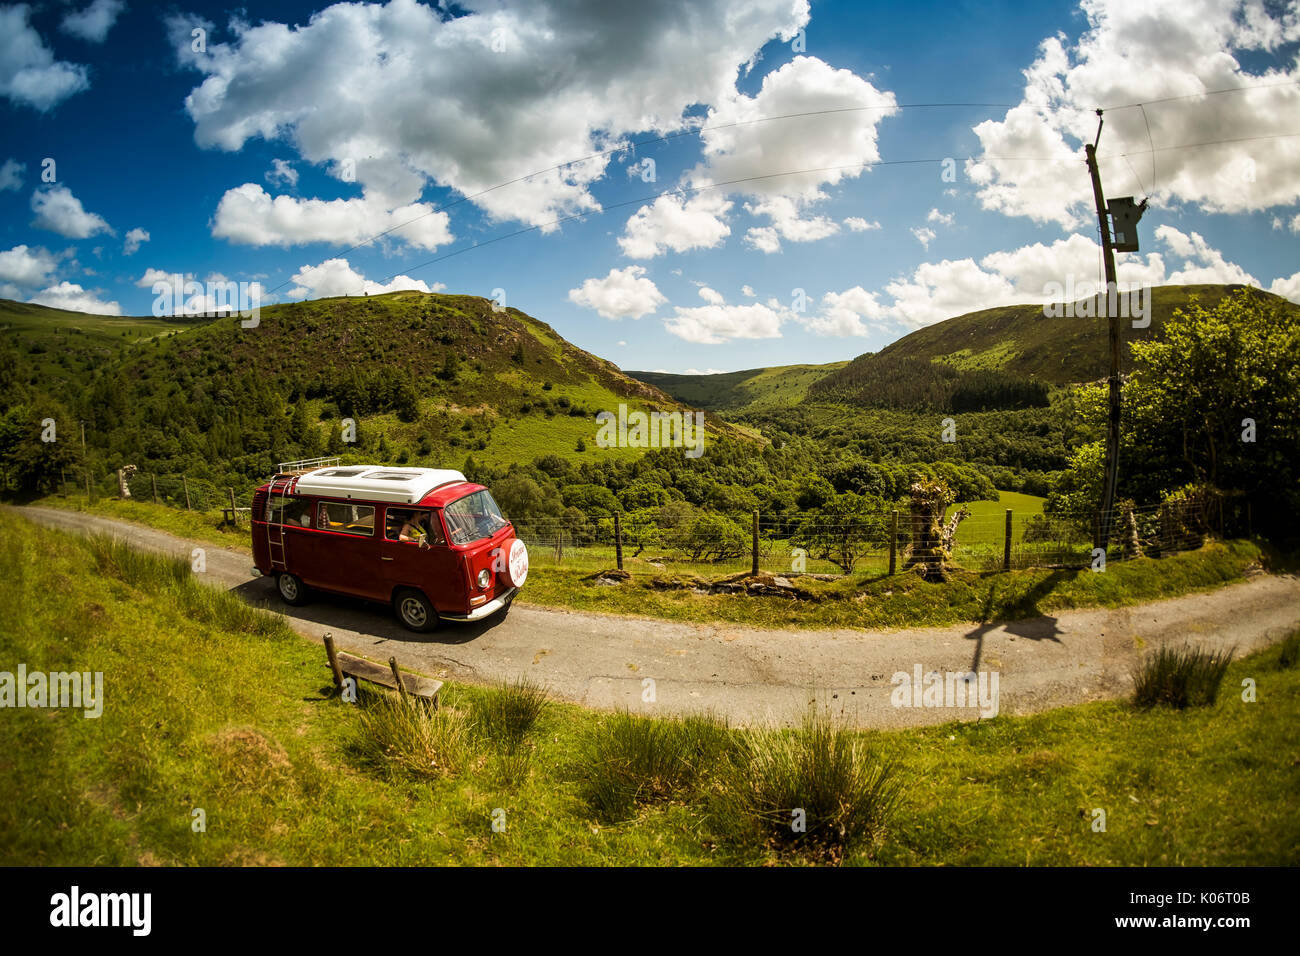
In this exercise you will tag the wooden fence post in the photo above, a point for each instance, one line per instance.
(755, 543)
(186, 485)
(397, 676)
(893, 542)
(1006, 545)
(153, 480)
(618, 540)
(234, 515)
(334, 661)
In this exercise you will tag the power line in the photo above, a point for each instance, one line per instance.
(629, 147)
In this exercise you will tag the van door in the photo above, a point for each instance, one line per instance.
(414, 553)
(345, 553)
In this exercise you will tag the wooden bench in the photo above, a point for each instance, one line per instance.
(406, 683)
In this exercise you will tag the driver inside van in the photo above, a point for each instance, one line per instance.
(409, 526)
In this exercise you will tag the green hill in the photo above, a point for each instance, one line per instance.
(429, 379)
(748, 390)
(993, 351)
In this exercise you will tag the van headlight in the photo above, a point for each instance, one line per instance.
(484, 577)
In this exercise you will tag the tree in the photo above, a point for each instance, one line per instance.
(843, 530)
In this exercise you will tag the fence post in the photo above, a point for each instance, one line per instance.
(186, 485)
(234, 515)
(618, 540)
(87, 485)
(334, 661)
(153, 480)
(1006, 545)
(893, 542)
(755, 544)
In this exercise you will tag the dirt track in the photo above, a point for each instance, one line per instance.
(759, 676)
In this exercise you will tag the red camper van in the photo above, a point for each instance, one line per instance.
(424, 540)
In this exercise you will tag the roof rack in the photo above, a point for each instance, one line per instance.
(304, 465)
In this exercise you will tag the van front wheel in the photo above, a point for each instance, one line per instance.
(414, 611)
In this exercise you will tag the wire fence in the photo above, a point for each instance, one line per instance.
(791, 544)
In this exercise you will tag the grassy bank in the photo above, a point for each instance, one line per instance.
(210, 705)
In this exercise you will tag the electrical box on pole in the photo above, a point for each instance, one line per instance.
(1124, 215)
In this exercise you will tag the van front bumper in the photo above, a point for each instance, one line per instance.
(487, 610)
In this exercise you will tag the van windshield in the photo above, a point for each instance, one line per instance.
(474, 517)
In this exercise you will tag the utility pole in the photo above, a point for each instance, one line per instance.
(1110, 296)
(85, 465)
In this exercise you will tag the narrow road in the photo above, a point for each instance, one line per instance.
(753, 675)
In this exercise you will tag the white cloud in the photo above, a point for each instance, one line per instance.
(69, 295)
(707, 371)
(923, 235)
(764, 239)
(673, 222)
(623, 294)
(1288, 288)
(846, 313)
(858, 224)
(93, 23)
(335, 277)
(1204, 263)
(282, 173)
(11, 175)
(151, 276)
(408, 95)
(27, 266)
(57, 210)
(29, 74)
(133, 240)
(787, 223)
(1143, 52)
(748, 291)
(250, 216)
(943, 218)
(715, 324)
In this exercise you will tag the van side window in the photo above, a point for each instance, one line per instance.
(402, 524)
(281, 509)
(347, 518)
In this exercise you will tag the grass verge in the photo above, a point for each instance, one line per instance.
(240, 721)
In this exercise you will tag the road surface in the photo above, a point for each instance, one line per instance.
(760, 676)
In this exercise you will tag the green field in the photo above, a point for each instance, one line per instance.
(212, 706)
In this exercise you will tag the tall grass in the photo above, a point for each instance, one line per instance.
(817, 788)
(505, 714)
(116, 558)
(404, 735)
(1180, 677)
(630, 761)
(1288, 654)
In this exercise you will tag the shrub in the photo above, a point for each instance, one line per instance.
(631, 761)
(845, 793)
(1180, 677)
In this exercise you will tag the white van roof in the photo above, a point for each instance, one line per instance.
(375, 483)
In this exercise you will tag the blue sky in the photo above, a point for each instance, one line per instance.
(295, 132)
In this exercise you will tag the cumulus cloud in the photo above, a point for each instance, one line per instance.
(93, 23)
(336, 277)
(717, 322)
(29, 74)
(858, 224)
(924, 235)
(400, 95)
(282, 173)
(27, 266)
(943, 218)
(11, 175)
(249, 215)
(1033, 273)
(787, 223)
(58, 210)
(748, 291)
(623, 294)
(133, 240)
(70, 296)
(1141, 53)
(677, 223)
